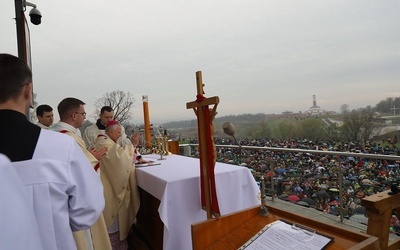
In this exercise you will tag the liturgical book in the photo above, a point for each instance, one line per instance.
(283, 235)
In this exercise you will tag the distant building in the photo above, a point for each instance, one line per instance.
(287, 112)
(315, 110)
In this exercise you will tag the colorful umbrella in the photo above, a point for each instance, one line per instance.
(309, 201)
(302, 203)
(281, 170)
(334, 203)
(293, 198)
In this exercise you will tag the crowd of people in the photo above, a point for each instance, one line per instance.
(59, 188)
(312, 179)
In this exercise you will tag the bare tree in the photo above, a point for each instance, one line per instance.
(359, 124)
(344, 109)
(121, 102)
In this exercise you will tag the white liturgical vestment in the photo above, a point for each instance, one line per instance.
(63, 188)
(19, 226)
(118, 176)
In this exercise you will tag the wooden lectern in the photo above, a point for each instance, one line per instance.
(234, 230)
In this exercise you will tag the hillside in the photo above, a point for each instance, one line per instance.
(272, 126)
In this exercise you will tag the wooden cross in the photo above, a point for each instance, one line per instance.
(207, 153)
(394, 110)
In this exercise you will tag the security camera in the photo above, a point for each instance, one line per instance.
(36, 16)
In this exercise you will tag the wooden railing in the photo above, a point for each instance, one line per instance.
(379, 206)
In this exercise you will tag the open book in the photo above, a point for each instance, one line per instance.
(283, 235)
(152, 163)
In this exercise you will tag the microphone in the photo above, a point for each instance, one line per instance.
(229, 129)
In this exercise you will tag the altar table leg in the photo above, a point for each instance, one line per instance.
(148, 230)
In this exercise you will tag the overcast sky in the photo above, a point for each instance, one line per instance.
(257, 56)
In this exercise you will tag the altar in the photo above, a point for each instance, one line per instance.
(176, 185)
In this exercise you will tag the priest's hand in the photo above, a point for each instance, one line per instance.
(99, 153)
(135, 138)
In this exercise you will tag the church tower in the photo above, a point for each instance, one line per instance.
(314, 109)
(314, 101)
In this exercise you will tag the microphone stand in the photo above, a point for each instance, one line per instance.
(229, 129)
(240, 146)
(263, 209)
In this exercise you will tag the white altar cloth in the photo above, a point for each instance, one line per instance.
(176, 183)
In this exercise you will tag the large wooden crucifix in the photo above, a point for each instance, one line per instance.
(207, 153)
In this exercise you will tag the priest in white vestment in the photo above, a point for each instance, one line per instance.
(72, 115)
(99, 128)
(118, 176)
